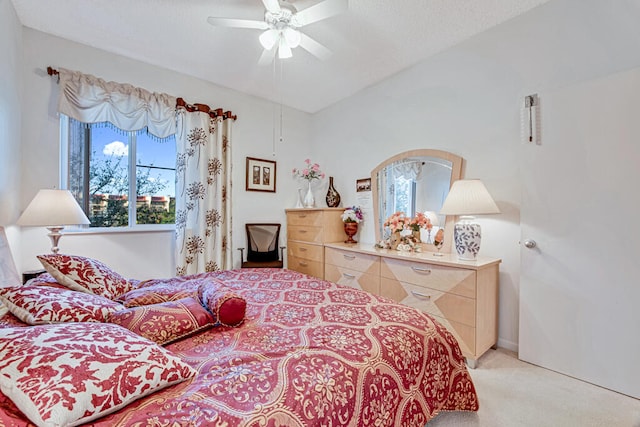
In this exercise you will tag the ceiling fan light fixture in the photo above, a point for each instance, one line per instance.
(269, 38)
(292, 37)
(284, 51)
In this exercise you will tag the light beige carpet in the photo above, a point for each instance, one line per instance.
(513, 393)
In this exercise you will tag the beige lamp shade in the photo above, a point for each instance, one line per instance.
(53, 208)
(469, 197)
(466, 198)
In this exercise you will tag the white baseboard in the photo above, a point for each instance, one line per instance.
(508, 345)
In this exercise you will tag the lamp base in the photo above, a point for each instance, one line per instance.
(55, 235)
(467, 236)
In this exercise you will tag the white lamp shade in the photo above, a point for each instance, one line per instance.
(433, 217)
(469, 197)
(269, 38)
(53, 208)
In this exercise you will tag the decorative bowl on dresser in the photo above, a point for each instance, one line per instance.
(462, 295)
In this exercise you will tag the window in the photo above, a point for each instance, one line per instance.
(99, 159)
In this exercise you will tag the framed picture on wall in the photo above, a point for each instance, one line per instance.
(363, 184)
(261, 175)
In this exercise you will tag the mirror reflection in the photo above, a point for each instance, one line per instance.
(412, 182)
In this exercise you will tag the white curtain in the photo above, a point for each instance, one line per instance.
(411, 169)
(203, 193)
(90, 99)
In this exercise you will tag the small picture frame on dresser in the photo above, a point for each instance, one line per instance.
(261, 175)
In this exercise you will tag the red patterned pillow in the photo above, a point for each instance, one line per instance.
(73, 373)
(228, 308)
(85, 275)
(165, 322)
(159, 293)
(34, 304)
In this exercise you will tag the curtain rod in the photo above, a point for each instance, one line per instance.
(180, 102)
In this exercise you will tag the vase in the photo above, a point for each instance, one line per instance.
(416, 236)
(350, 228)
(394, 240)
(299, 198)
(309, 201)
(333, 197)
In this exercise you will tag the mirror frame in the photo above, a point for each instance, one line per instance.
(456, 174)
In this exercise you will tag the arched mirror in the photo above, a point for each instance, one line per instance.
(415, 181)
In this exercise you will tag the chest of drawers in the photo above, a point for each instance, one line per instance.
(307, 231)
(462, 295)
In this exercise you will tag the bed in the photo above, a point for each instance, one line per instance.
(306, 352)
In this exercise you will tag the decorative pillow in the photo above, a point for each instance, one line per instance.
(73, 373)
(228, 308)
(159, 293)
(36, 305)
(85, 275)
(165, 322)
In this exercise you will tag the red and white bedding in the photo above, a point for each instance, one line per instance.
(309, 353)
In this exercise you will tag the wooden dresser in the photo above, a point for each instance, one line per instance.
(307, 230)
(462, 295)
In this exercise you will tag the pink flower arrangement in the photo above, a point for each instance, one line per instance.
(309, 172)
(420, 221)
(397, 222)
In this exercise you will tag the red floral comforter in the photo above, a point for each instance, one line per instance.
(310, 353)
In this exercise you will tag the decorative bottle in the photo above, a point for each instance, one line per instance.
(333, 197)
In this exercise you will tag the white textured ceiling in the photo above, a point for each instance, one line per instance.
(373, 40)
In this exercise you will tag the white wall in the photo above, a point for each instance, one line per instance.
(467, 100)
(143, 255)
(10, 103)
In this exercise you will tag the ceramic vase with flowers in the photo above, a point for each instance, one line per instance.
(310, 172)
(351, 217)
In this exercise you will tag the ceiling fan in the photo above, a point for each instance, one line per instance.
(281, 23)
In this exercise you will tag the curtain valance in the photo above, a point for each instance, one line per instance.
(90, 99)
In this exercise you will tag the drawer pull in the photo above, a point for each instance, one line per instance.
(421, 270)
(302, 215)
(303, 249)
(348, 276)
(303, 231)
(420, 295)
(349, 256)
(303, 264)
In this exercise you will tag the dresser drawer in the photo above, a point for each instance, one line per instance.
(450, 306)
(304, 218)
(312, 268)
(306, 233)
(353, 260)
(458, 281)
(464, 334)
(355, 279)
(304, 251)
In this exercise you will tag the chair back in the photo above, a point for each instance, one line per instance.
(262, 241)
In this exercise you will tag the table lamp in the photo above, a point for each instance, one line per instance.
(468, 197)
(53, 209)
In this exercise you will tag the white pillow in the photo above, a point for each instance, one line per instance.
(56, 374)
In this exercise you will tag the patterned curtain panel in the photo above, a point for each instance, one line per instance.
(203, 193)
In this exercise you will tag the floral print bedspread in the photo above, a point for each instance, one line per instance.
(309, 353)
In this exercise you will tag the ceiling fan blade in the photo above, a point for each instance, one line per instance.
(267, 56)
(237, 23)
(321, 11)
(272, 6)
(313, 47)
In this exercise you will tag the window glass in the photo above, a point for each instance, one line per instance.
(100, 164)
